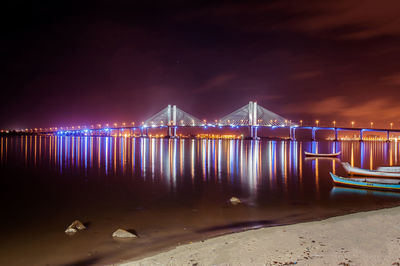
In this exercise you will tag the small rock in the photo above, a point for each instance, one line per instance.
(74, 227)
(78, 225)
(235, 201)
(121, 233)
(70, 231)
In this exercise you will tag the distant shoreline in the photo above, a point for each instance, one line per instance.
(364, 238)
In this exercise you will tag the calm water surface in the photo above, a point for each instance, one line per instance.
(169, 191)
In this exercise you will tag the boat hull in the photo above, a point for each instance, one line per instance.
(347, 182)
(369, 173)
(321, 154)
(390, 169)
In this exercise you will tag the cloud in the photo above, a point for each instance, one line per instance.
(343, 19)
(307, 74)
(347, 19)
(339, 107)
(392, 80)
(216, 82)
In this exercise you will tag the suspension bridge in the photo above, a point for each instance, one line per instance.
(251, 116)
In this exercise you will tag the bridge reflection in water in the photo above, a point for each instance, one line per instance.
(254, 166)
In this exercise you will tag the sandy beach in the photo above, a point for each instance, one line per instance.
(366, 238)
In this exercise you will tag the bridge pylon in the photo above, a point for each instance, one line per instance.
(253, 121)
(254, 116)
(172, 117)
(171, 113)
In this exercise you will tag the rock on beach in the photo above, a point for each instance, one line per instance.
(121, 233)
(74, 227)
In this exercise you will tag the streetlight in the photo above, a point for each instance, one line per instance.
(301, 122)
(334, 123)
(317, 122)
(352, 123)
(372, 124)
(391, 125)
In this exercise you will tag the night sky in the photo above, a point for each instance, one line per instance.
(67, 63)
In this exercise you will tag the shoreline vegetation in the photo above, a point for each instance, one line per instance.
(364, 238)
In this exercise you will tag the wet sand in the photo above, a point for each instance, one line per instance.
(366, 238)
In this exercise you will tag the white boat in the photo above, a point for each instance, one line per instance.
(322, 154)
(390, 169)
(310, 158)
(351, 170)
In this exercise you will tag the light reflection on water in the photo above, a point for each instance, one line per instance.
(276, 169)
(252, 165)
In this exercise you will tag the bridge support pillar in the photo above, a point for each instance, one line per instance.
(255, 133)
(171, 132)
(292, 133)
(143, 132)
(387, 136)
(336, 134)
(361, 135)
(313, 134)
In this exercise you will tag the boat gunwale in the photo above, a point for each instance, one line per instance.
(362, 184)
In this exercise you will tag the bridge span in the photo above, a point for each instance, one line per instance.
(251, 116)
